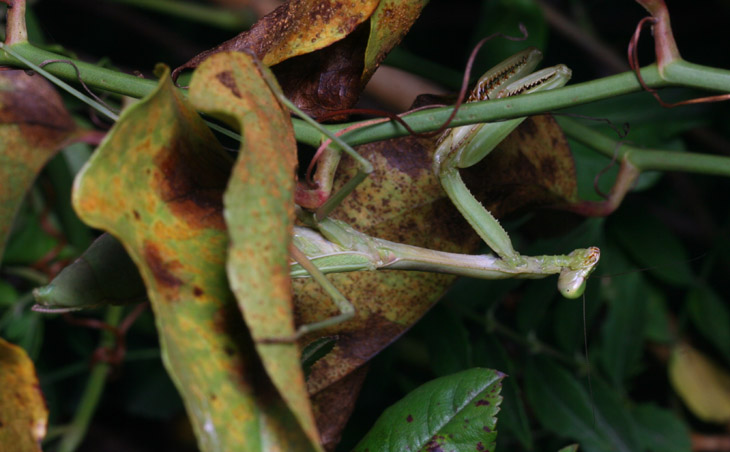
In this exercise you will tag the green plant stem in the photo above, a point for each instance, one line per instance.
(697, 76)
(73, 437)
(497, 109)
(679, 72)
(227, 19)
(94, 76)
(646, 159)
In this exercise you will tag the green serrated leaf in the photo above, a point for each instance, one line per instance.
(489, 352)
(455, 413)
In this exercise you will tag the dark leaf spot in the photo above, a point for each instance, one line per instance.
(409, 418)
(227, 80)
(194, 178)
(161, 269)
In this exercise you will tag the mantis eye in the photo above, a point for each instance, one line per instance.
(573, 278)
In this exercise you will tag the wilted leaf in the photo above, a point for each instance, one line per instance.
(156, 183)
(259, 212)
(23, 412)
(455, 413)
(34, 125)
(701, 383)
(403, 201)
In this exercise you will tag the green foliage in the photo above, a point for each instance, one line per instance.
(450, 413)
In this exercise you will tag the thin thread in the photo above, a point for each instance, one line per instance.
(588, 362)
(80, 80)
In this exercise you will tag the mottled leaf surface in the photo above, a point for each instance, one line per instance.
(259, 213)
(23, 412)
(403, 201)
(34, 125)
(324, 51)
(156, 183)
(532, 167)
(295, 28)
(455, 413)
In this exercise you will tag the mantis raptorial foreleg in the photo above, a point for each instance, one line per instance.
(462, 147)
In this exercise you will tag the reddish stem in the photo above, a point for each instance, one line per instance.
(15, 31)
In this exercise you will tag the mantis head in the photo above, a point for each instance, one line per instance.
(573, 278)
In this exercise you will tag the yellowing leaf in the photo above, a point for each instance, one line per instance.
(701, 383)
(156, 183)
(23, 412)
(259, 212)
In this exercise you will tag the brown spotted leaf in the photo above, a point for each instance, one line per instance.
(23, 412)
(156, 183)
(532, 167)
(34, 125)
(295, 28)
(259, 212)
(323, 52)
(403, 201)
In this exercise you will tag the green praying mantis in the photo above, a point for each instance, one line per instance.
(325, 245)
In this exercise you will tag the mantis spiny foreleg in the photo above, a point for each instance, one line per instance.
(462, 147)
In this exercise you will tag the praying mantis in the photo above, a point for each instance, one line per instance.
(342, 248)
(328, 245)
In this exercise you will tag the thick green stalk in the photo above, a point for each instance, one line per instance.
(94, 76)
